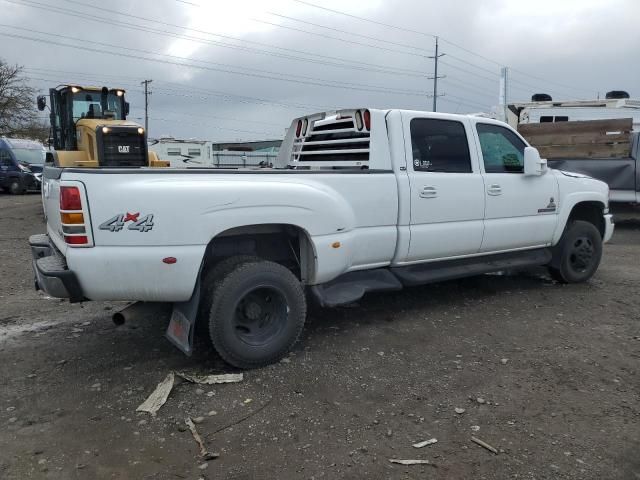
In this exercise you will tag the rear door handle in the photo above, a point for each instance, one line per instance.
(494, 190)
(428, 192)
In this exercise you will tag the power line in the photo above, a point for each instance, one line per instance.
(298, 79)
(364, 19)
(308, 56)
(377, 47)
(388, 25)
(204, 93)
(179, 113)
(359, 35)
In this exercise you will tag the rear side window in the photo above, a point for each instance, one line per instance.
(439, 146)
(502, 150)
(174, 152)
(5, 159)
(194, 152)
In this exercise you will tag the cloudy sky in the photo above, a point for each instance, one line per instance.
(242, 69)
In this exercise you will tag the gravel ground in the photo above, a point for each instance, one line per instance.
(546, 374)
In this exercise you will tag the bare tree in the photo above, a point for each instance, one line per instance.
(18, 116)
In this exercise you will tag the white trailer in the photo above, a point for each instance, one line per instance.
(182, 153)
(550, 111)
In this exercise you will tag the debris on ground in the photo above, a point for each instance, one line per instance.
(196, 436)
(410, 462)
(431, 441)
(484, 445)
(211, 379)
(460, 411)
(159, 396)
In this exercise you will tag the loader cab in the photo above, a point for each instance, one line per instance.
(89, 128)
(71, 104)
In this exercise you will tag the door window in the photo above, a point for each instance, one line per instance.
(439, 146)
(502, 150)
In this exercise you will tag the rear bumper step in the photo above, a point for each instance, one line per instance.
(51, 271)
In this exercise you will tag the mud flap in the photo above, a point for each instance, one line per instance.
(183, 320)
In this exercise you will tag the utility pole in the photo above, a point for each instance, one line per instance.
(146, 105)
(504, 92)
(436, 77)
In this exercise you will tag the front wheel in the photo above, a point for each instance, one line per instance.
(257, 314)
(578, 254)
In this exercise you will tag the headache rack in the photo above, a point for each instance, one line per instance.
(338, 140)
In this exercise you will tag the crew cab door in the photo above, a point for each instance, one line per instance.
(521, 211)
(447, 191)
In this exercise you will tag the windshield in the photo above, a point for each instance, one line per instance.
(86, 104)
(29, 155)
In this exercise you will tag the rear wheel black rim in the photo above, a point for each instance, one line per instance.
(582, 254)
(260, 315)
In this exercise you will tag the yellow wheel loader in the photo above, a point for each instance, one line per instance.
(89, 127)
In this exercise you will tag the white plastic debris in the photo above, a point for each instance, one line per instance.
(159, 396)
(409, 462)
(431, 441)
(211, 379)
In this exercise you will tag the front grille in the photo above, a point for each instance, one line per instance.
(122, 147)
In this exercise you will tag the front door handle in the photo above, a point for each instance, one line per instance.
(494, 190)
(428, 192)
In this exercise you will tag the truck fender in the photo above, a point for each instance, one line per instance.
(569, 203)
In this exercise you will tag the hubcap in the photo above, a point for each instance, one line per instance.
(581, 254)
(260, 315)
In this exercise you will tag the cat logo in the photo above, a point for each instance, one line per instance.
(123, 148)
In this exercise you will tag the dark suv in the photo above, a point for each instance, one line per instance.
(21, 163)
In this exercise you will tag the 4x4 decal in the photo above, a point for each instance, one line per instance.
(117, 223)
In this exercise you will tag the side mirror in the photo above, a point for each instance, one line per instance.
(533, 164)
(126, 108)
(42, 102)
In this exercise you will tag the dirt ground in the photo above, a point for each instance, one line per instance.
(547, 374)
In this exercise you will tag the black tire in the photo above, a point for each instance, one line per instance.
(257, 314)
(213, 277)
(578, 254)
(16, 187)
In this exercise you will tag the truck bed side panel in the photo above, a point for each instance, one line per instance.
(158, 214)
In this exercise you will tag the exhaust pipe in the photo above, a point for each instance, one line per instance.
(138, 310)
(118, 318)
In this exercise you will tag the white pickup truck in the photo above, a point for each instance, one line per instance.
(359, 201)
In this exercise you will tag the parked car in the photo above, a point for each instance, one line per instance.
(359, 201)
(21, 163)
